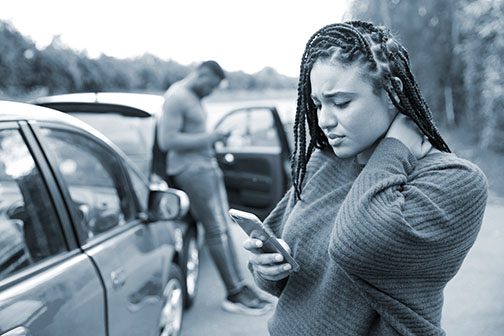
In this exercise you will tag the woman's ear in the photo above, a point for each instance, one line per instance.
(398, 82)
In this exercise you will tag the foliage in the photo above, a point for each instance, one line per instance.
(455, 50)
(481, 49)
(28, 71)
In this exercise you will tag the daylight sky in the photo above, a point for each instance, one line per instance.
(241, 35)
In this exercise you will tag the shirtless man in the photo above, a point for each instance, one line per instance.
(192, 164)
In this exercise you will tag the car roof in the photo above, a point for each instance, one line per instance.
(133, 104)
(17, 111)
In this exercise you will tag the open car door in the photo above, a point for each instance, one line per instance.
(254, 159)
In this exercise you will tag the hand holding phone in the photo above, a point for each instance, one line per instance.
(251, 224)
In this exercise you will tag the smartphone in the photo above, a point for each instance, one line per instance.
(249, 223)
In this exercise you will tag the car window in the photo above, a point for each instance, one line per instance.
(101, 198)
(140, 187)
(250, 128)
(133, 135)
(29, 226)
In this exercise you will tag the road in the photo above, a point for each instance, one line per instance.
(206, 316)
(474, 299)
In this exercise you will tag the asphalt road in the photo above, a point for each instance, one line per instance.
(474, 299)
(206, 317)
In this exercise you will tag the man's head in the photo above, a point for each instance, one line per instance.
(208, 75)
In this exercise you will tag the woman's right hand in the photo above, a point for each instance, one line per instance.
(270, 266)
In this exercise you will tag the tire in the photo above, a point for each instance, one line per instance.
(170, 321)
(189, 263)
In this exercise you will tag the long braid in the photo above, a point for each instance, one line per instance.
(375, 48)
(420, 111)
(432, 132)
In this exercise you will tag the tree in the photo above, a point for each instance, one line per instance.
(481, 49)
(426, 30)
(59, 69)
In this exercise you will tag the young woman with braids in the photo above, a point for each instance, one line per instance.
(380, 215)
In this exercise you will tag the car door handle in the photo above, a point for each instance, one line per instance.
(19, 331)
(118, 278)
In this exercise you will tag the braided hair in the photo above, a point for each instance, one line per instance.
(381, 58)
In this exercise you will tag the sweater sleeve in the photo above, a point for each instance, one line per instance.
(274, 224)
(399, 221)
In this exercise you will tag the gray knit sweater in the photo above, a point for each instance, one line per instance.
(376, 243)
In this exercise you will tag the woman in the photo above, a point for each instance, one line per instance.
(381, 214)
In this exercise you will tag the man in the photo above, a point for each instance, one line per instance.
(193, 167)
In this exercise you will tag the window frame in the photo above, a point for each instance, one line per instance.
(70, 246)
(131, 169)
(283, 142)
(113, 232)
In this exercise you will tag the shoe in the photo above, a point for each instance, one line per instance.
(246, 301)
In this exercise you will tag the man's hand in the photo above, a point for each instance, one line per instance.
(219, 136)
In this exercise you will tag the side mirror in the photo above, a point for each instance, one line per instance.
(167, 204)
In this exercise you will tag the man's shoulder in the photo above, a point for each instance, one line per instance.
(177, 96)
(178, 91)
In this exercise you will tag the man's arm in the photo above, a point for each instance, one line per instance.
(170, 126)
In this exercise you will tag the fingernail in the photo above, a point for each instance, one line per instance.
(279, 257)
(287, 267)
(259, 243)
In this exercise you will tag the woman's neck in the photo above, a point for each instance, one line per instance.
(363, 157)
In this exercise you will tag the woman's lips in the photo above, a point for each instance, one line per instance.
(335, 139)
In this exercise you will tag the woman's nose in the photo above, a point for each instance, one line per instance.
(327, 118)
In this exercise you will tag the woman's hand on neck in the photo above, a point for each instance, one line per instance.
(405, 130)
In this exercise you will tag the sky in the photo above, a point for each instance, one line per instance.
(241, 35)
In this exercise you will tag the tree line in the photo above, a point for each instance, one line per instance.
(27, 70)
(456, 48)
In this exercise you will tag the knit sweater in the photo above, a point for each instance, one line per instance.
(376, 243)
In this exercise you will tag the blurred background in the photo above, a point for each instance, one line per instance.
(456, 48)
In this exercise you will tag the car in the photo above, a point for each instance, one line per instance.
(128, 120)
(88, 246)
(254, 160)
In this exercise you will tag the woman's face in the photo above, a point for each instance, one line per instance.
(352, 117)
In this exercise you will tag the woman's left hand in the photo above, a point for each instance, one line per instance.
(404, 129)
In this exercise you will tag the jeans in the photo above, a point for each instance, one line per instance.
(204, 184)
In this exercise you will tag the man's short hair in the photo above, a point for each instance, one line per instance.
(214, 67)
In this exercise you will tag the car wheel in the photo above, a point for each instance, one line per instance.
(190, 266)
(170, 322)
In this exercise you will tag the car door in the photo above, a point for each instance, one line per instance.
(47, 285)
(254, 159)
(132, 257)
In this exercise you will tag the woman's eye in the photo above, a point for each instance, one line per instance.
(343, 104)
